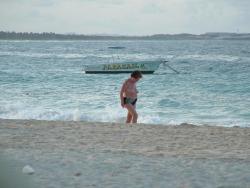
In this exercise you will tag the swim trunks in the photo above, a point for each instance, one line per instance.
(129, 101)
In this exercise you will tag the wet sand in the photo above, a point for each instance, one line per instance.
(48, 142)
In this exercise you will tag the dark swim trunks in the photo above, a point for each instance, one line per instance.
(129, 101)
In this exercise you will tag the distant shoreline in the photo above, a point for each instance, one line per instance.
(184, 36)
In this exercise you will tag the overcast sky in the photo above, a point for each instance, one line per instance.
(125, 17)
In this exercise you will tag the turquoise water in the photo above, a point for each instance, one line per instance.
(45, 80)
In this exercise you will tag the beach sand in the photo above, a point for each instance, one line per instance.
(88, 154)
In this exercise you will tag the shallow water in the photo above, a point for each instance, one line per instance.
(44, 80)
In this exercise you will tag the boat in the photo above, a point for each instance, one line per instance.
(116, 47)
(145, 67)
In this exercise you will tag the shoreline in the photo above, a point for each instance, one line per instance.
(150, 140)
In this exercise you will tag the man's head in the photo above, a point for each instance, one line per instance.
(136, 74)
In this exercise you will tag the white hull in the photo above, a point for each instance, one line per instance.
(146, 67)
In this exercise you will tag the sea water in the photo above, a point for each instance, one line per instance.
(45, 80)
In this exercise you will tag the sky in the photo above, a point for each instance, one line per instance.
(125, 17)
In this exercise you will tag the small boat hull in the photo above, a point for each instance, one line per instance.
(146, 67)
(116, 72)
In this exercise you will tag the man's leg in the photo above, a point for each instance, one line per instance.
(133, 113)
(129, 118)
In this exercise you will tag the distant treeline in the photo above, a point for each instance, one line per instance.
(53, 36)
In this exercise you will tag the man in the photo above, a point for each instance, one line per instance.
(128, 96)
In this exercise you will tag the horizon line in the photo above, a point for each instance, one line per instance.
(124, 35)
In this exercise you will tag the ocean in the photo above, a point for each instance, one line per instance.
(44, 80)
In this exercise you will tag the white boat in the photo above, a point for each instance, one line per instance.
(146, 67)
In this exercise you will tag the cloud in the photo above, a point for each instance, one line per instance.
(134, 17)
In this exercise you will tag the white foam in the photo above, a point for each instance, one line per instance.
(108, 114)
(209, 57)
(76, 115)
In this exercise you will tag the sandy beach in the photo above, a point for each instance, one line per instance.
(87, 154)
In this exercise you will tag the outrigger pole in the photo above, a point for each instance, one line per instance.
(165, 63)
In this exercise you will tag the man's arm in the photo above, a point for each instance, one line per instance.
(122, 92)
